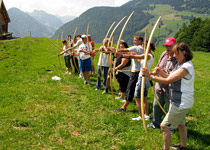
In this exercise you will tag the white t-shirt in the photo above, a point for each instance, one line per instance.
(83, 46)
(138, 50)
(105, 60)
(149, 63)
(182, 92)
(64, 48)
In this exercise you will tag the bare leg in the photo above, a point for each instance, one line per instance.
(122, 94)
(138, 104)
(125, 104)
(69, 69)
(146, 106)
(108, 81)
(166, 137)
(86, 75)
(183, 135)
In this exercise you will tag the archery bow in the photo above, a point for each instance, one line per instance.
(111, 35)
(118, 44)
(143, 77)
(100, 73)
(73, 52)
(89, 44)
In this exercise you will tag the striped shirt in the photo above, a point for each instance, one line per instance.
(167, 64)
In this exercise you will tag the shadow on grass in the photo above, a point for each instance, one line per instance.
(201, 138)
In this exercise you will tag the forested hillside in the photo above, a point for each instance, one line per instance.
(175, 14)
(100, 18)
(196, 34)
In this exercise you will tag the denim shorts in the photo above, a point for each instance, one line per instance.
(85, 65)
(67, 61)
(137, 93)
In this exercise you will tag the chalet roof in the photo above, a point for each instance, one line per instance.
(4, 11)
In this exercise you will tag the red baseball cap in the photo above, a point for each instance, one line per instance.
(170, 41)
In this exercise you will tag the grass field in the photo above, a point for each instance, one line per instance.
(39, 113)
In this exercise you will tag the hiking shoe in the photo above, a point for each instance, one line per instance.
(119, 109)
(151, 125)
(118, 98)
(178, 147)
(146, 117)
(138, 118)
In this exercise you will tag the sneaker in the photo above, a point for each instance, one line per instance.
(85, 82)
(104, 92)
(80, 76)
(118, 98)
(96, 89)
(178, 147)
(119, 109)
(69, 73)
(151, 125)
(123, 101)
(138, 118)
(146, 117)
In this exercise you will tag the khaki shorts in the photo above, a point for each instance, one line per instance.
(175, 117)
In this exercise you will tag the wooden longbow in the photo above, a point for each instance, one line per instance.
(143, 77)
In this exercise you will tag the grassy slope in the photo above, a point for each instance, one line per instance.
(39, 113)
(171, 20)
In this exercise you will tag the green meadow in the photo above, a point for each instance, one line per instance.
(37, 112)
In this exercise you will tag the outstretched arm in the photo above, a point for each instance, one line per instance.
(179, 74)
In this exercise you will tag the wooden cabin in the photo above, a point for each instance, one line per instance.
(4, 20)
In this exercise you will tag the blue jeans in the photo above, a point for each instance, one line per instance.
(98, 83)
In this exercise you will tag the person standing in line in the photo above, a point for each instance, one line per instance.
(104, 59)
(137, 93)
(85, 59)
(74, 50)
(181, 91)
(166, 63)
(138, 49)
(66, 57)
(122, 64)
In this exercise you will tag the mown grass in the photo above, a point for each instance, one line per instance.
(39, 113)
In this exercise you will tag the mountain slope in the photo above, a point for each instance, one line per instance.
(46, 19)
(23, 24)
(100, 18)
(65, 19)
(175, 14)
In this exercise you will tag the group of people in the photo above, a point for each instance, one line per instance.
(174, 77)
